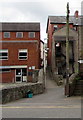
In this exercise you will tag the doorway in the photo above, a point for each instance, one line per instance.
(21, 75)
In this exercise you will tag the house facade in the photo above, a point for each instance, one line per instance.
(59, 52)
(19, 51)
(55, 23)
(81, 48)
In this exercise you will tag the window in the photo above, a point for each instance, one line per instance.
(5, 70)
(23, 54)
(6, 34)
(21, 75)
(19, 35)
(58, 49)
(55, 27)
(3, 54)
(31, 34)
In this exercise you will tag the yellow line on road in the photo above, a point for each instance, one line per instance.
(36, 107)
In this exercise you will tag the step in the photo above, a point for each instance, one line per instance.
(81, 83)
(78, 86)
(78, 91)
(78, 94)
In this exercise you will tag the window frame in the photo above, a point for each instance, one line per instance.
(18, 33)
(30, 35)
(55, 27)
(4, 51)
(7, 33)
(5, 70)
(22, 51)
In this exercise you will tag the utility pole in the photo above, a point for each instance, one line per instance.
(67, 53)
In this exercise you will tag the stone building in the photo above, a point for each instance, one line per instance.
(80, 45)
(59, 52)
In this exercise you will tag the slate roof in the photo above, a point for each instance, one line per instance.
(8, 26)
(62, 38)
(75, 21)
(62, 19)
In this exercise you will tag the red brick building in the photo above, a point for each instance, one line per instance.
(55, 23)
(19, 51)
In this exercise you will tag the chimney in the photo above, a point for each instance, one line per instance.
(76, 14)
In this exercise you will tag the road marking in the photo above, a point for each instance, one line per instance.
(36, 107)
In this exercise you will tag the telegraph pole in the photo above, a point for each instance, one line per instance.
(67, 53)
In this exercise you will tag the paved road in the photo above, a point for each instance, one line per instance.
(51, 104)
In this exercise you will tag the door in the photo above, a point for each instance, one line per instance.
(24, 75)
(21, 75)
(18, 75)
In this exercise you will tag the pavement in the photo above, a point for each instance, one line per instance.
(51, 104)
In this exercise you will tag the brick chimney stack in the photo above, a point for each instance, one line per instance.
(76, 13)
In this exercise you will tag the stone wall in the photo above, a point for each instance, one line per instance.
(58, 79)
(17, 91)
(72, 83)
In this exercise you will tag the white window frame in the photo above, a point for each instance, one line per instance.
(32, 33)
(5, 70)
(18, 76)
(4, 51)
(55, 27)
(18, 33)
(21, 76)
(22, 51)
(8, 36)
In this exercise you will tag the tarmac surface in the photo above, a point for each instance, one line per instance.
(51, 104)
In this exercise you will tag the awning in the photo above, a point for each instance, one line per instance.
(15, 66)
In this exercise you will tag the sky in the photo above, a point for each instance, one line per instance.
(36, 11)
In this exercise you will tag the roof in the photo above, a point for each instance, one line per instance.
(81, 21)
(75, 21)
(63, 38)
(62, 19)
(57, 19)
(4, 26)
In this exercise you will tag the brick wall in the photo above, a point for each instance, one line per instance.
(50, 37)
(31, 44)
(25, 36)
(33, 54)
(7, 77)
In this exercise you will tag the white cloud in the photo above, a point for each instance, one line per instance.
(35, 10)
